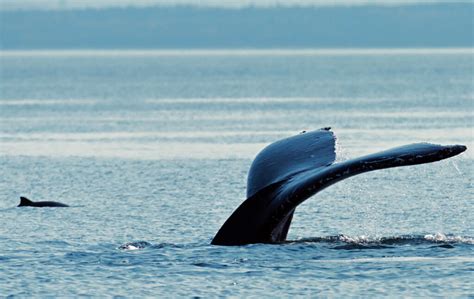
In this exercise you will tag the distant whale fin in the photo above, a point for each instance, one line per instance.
(265, 217)
(24, 201)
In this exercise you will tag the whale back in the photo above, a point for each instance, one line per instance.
(287, 157)
(25, 202)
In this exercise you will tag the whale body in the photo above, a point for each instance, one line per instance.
(289, 171)
(25, 202)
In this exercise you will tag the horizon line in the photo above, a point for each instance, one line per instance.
(238, 52)
(59, 6)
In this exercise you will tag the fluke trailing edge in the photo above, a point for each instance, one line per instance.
(289, 171)
(25, 202)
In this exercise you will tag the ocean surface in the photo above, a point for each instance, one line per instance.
(151, 150)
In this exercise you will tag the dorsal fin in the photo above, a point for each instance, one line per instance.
(25, 201)
(287, 157)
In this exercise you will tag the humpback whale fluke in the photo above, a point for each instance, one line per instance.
(25, 202)
(289, 171)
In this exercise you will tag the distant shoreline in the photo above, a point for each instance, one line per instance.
(414, 26)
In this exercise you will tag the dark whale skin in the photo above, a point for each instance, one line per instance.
(25, 202)
(289, 171)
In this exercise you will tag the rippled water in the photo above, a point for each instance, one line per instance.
(152, 149)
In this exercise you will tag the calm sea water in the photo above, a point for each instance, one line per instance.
(152, 149)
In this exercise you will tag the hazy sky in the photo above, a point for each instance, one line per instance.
(73, 4)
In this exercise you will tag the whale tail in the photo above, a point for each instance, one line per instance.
(291, 170)
(24, 201)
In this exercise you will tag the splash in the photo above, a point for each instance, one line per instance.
(371, 242)
(439, 237)
(134, 245)
(456, 167)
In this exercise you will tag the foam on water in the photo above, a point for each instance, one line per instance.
(47, 102)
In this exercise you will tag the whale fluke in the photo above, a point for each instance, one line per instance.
(289, 171)
(25, 202)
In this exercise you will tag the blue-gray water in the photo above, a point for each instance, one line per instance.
(152, 149)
